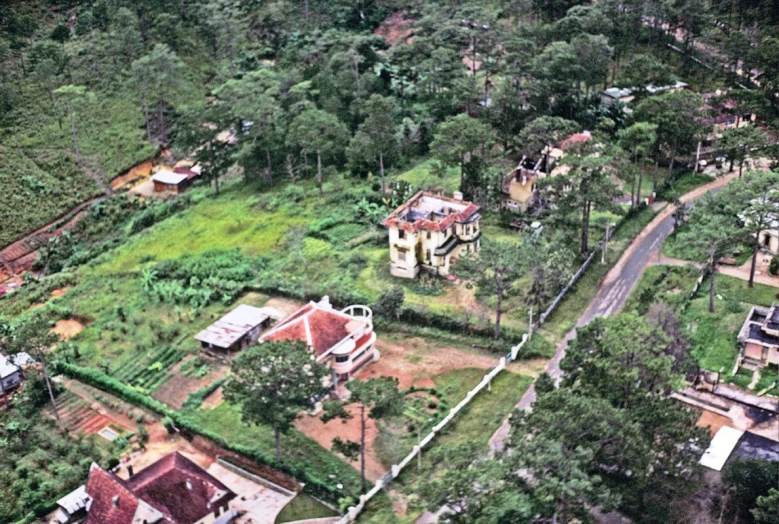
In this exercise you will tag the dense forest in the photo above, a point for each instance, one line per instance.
(335, 112)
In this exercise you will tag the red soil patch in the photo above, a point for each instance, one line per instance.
(137, 172)
(713, 421)
(395, 29)
(416, 362)
(176, 390)
(59, 292)
(324, 434)
(67, 328)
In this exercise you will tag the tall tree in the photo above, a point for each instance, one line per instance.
(35, 338)
(755, 198)
(375, 138)
(585, 185)
(319, 132)
(377, 398)
(74, 99)
(638, 140)
(494, 270)
(677, 117)
(273, 382)
(738, 142)
(458, 138)
(543, 132)
(712, 233)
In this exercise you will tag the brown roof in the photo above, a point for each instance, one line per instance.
(319, 326)
(178, 491)
(399, 219)
(103, 486)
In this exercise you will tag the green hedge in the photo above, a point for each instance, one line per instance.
(313, 484)
(194, 400)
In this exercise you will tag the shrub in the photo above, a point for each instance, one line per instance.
(195, 399)
(773, 266)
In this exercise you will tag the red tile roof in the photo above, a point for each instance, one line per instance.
(576, 138)
(176, 488)
(185, 171)
(318, 325)
(103, 486)
(397, 218)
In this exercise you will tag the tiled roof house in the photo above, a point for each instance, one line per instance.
(343, 339)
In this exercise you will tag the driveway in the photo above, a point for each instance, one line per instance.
(257, 504)
(615, 288)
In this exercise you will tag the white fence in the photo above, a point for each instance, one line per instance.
(354, 511)
(394, 471)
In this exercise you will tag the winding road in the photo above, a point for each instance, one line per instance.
(615, 288)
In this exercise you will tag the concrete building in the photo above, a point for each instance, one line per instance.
(344, 339)
(759, 338)
(429, 232)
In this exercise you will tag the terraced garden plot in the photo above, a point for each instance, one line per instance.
(78, 417)
(151, 370)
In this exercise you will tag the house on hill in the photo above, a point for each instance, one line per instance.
(519, 186)
(759, 338)
(236, 330)
(429, 232)
(173, 490)
(176, 181)
(344, 339)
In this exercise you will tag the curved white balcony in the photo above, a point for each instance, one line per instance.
(359, 311)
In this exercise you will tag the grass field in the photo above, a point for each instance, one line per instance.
(304, 507)
(478, 421)
(420, 177)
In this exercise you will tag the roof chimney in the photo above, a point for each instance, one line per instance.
(458, 195)
(189, 485)
(115, 501)
(325, 301)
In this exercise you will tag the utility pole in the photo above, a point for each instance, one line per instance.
(530, 326)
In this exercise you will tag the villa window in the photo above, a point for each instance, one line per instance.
(341, 358)
(428, 235)
(401, 233)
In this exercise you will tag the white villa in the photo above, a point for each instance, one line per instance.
(429, 232)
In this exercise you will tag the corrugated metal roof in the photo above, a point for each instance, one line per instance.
(230, 328)
(168, 177)
(721, 447)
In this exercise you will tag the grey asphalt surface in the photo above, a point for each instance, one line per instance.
(608, 301)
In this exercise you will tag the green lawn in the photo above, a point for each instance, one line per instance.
(478, 421)
(421, 178)
(304, 507)
(299, 451)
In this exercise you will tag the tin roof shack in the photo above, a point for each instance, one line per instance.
(236, 330)
(176, 181)
(759, 338)
(173, 490)
(344, 339)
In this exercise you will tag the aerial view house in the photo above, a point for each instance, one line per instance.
(344, 339)
(625, 95)
(759, 337)
(429, 232)
(237, 329)
(519, 186)
(173, 490)
(176, 181)
(10, 374)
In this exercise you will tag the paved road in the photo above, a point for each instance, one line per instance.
(615, 288)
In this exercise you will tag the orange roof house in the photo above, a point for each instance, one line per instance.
(344, 339)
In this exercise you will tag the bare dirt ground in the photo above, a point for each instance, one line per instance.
(176, 390)
(59, 292)
(416, 361)
(324, 434)
(67, 328)
(712, 421)
(139, 171)
(396, 29)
